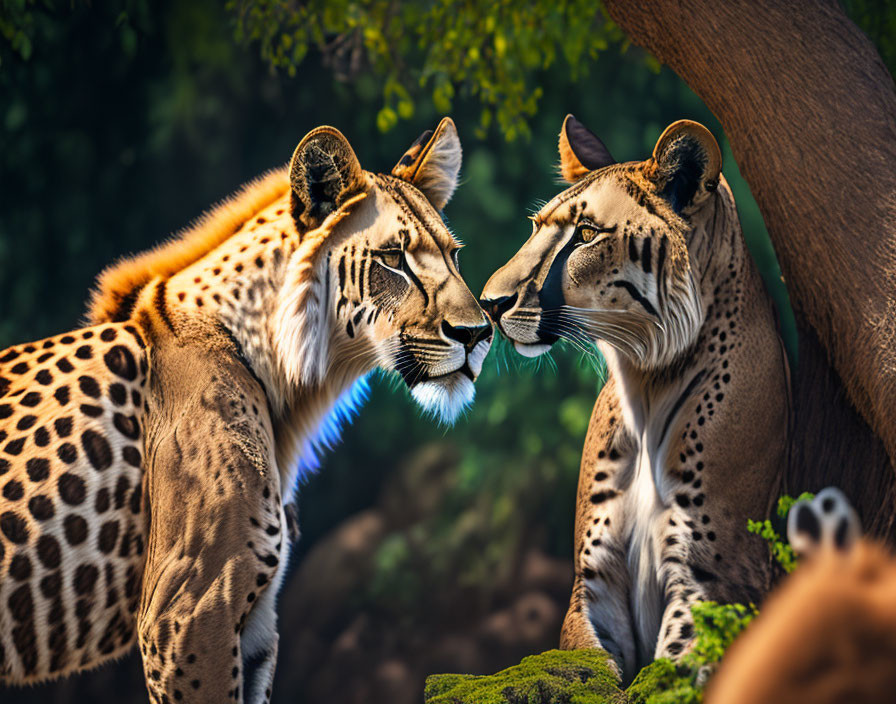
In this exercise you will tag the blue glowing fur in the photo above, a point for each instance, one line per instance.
(330, 429)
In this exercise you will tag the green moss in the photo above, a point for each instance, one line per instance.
(567, 677)
(554, 677)
(664, 682)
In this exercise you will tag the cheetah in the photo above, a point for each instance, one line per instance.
(148, 460)
(687, 439)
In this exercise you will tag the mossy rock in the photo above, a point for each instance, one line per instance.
(554, 677)
(565, 677)
(664, 682)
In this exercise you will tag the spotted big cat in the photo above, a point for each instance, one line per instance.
(687, 438)
(146, 459)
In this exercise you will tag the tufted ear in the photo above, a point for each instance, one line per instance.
(686, 165)
(433, 163)
(580, 151)
(323, 173)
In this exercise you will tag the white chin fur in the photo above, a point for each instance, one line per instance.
(535, 350)
(445, 398)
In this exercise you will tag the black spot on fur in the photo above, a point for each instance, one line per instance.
(62, 395)
(14, 447)
(601, 496)
(41, 437)
(121, 362)
(20, 567)
(31, 399)
(118, 394)
(108, 537)
(89, 386)
(41, 507)
(63, 427)
(38, 469)
(72, 489)
(75, 528)
(13, 490)
(131, 455)
(97, 449)
(67, 452)
(13, 527)
(127, 426)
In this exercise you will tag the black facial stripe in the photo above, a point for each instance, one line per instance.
(362, 275)
(632, 249)
(636, 295)
(390, 185)
(406, 268)
(551, 294)
(342, 273)
(645, 255)
(660, 261)
(550, 297)
(352, 270)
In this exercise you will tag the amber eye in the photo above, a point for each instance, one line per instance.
(390, 257)
(586, 232)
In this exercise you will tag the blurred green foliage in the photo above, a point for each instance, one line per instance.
(436, 47)
(778, 546)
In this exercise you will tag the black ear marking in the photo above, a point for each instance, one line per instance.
(686, 165)
(589, 150)
(683, 164)
(323, 173)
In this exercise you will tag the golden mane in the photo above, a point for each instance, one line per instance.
(117, 286)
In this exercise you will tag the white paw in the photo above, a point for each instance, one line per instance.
(827, 521)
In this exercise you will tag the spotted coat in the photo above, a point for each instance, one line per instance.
(687, 439)
(148, 462)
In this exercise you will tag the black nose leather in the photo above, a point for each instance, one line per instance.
(496, 307)
(468, 336)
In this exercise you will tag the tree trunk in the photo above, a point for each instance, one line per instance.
(810, 111)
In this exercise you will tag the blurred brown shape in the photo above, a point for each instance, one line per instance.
(827, 636)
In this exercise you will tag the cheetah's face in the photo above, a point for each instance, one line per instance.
(607, 258)
(389, 269)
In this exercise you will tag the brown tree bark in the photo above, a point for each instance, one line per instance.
(810, 111)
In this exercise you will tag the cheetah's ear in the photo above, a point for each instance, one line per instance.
(323, 173)
(580, 151)
(432, 163)
(686, 165)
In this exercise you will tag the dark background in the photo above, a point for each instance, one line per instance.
(424, 549)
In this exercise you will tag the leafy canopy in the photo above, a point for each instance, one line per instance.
(436, 46)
